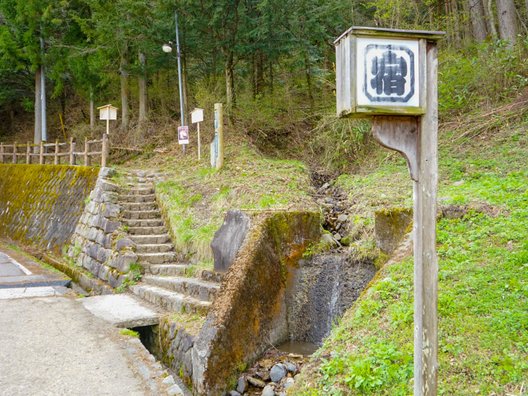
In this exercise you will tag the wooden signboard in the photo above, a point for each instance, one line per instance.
(391, 76)
(107, 113)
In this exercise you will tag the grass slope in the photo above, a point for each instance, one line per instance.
(483, 280)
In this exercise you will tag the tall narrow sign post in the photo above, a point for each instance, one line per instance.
(197, 116)
(391, 76)
(217, 145)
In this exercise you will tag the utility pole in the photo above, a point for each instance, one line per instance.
(180, 85)
(44, 130)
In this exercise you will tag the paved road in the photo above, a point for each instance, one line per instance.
(51, 345)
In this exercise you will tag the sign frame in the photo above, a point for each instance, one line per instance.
(197, 115)
(349, 61)
(107, 112)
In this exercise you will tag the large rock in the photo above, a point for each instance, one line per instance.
(229, 238)
(278, 372)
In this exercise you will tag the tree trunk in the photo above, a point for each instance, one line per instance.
(125, 117)
(185, 89)
(271, 80)
(260, 72)
(92, 111)
(508, 28)
(457, 31)
(230, 81)
(478, 21)
(38, 108)
(490, 18)
(142, 83)
(308, 76)
(254, 76)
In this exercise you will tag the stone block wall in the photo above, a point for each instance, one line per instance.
(172, 343)
(40, 205)
(99, 244)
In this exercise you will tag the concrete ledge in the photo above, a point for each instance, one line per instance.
(122, 310)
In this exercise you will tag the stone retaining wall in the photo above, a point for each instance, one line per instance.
(41, 204)
(250, 312)
(99, 243)
(172, 343)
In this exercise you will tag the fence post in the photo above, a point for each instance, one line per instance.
(41, 154)
(28, 155)
(56, 158)
(1, 153)
(72, 149)
(86, 151)
(14, 152)
(105, 150)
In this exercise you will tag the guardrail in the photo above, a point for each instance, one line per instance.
(56, 153)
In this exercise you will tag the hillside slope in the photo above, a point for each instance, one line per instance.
(483, 273)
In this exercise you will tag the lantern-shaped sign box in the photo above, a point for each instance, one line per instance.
(381, 71)
(391, 76)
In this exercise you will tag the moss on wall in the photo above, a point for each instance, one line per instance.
(41, 204)
(249, 311)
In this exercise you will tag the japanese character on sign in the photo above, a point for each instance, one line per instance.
(388, 78)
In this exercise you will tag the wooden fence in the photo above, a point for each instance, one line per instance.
(56, 153)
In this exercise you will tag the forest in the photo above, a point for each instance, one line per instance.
(270, 62)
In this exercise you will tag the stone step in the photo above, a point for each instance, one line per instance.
(147, 230)
(211, 276)
(143, 222)
(193, 287)
(149, 239)
(139, 206)
(154, 248)
(139, 191)
(142, 214)
(170, 300)
(156, 258)
(165, 269)
(137, 198)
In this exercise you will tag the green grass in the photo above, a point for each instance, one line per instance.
(129, 333)
(483, 282)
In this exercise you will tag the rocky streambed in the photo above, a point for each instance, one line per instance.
(272, 375)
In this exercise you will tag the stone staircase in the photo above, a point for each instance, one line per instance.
(165, 281)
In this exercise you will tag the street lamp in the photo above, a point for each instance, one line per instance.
(167, 48)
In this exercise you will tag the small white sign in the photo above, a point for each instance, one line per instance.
(107, 112)
(183, 135)
(197, 115)
(387, 72)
